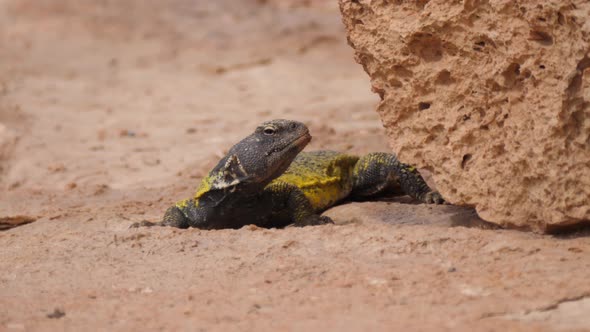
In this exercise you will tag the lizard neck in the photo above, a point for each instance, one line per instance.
(206, 196)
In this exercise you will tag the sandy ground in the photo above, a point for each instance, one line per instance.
(112, 110)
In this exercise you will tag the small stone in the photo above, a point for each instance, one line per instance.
(150, 161)
(56, 168)
(15, 326)
(56, 314)
(101, 189)
(377, 282)
(127, 133)
(147, 290)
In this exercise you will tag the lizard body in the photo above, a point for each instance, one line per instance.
(267, 181)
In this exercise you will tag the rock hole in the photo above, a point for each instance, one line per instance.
(526, 73)
(541, 37)
(395, 83)
(479, 45)
(402, 71)
(493, 85)
(481, 112)
(498, 149)
(450, 49)
(426, 46)
(358, 22)
(583, 64)
(444, 78)
(423, 106)
(483, 42)
(515, 68)
(542, 66)
(379, 91)
(576, 82)
(422, 3)
(466, 158)
(560, 18)
(511, 74)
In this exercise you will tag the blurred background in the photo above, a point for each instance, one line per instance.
(111, 110)
(142, 94)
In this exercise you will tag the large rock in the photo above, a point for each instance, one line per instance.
(491, 96)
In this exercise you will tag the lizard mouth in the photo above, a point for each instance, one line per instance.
(302, 140)
(298, 143)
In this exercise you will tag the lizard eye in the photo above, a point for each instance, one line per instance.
(269, 131)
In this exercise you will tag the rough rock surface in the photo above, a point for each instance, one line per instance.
(492, 96)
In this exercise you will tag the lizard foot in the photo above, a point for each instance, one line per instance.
(145, 223)
(432, 197)
(314, 220)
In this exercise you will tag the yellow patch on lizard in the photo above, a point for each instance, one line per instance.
(204, 187)
(325, 177)
(182, 204)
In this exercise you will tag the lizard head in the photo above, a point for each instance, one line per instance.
(281, 141)
(265, 154)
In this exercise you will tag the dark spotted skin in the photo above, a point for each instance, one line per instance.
(328, 177)
(292, 189)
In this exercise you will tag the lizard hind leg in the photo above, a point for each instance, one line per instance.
(371, 174)
(376, 172)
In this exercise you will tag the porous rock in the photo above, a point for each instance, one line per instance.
(491, 96)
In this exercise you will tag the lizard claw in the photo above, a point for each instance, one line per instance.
(433, 197)
(323, 220)
(144, 223)
(314, 220)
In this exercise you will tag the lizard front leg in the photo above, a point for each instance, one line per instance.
(377, 171)
(173, 218)
(289, 201)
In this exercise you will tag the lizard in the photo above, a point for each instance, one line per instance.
(266, 180)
